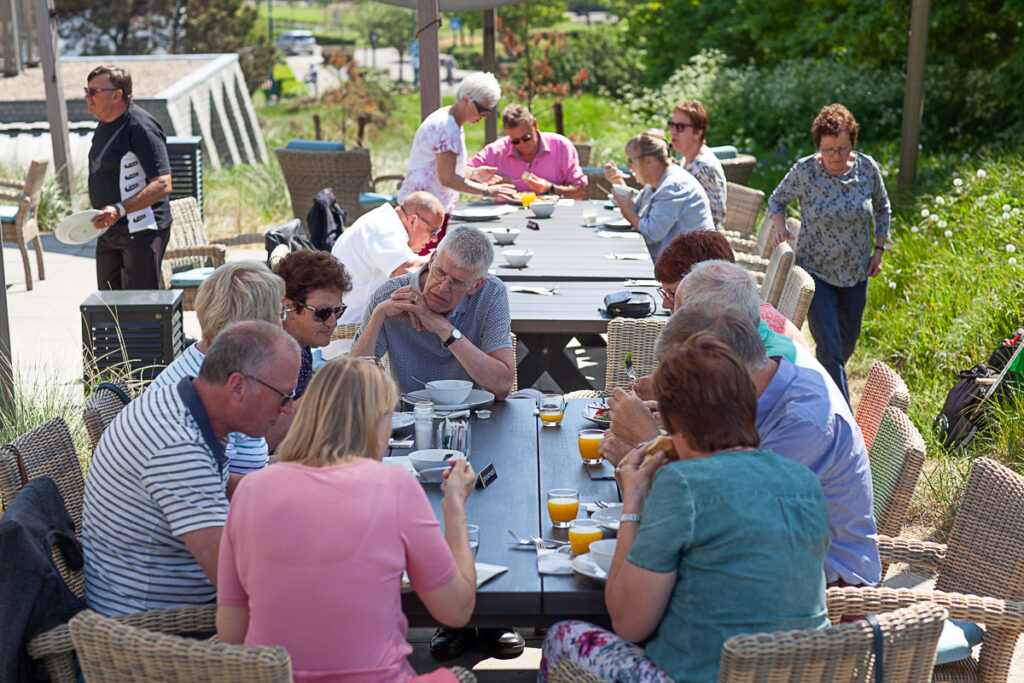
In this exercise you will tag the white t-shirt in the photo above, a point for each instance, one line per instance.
(437, 133)
(370, 250)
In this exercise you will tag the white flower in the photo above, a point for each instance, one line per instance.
(956, 174)
(934, 217)
(940, 199)
(892, 285)
(1016, 211)
(981, 173)
(957, 182)
(948, 233)
(1006, 215)
(915, 229)
(1012, 260)
(1006, 207)
(924, 213)
(1011, 248)
(942, 224)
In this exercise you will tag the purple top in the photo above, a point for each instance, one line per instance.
(556, 161)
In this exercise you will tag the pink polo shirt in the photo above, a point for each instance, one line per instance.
(556, 161)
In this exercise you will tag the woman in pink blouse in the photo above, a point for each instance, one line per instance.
(314, 548)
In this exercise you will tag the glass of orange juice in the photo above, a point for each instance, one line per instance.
(527, 198)
(563, 504)
(589, 440)
(582, 533)
(551, 408)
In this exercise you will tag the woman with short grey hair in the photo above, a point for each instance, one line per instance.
(437, 160)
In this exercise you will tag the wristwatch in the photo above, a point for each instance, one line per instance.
(455, 336)
(120, 210)
(551, 188)
(486, 191)
(630, 517)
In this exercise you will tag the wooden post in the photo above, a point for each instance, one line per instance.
(316, 126)
(6, 356)
(559, 123)
(913, 96)
(10, 36)
(428, 19)
(56, 106)
(490, 66)
(362, 121)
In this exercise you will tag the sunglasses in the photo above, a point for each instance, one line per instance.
(290, 396)
(322, 314)
(678, 127)
(519, 141)
(482, 110)
(91, 92)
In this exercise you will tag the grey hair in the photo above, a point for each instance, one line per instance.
(469, 248)
(723, 284)
(650, 143)
(728, 326)
(480, 87)
(241, 290)
(246, 346)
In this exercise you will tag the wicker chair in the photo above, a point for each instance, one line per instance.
(980, 572)
(841, 653)
(883, 388)
(346, 331)
(896, 459)
(775, 276)
(19, 224)
(102, 407)
(626, 335)
(742, 204)
(796, 296)
(739, 168)
(113, 652)
(598, 186)
(347, 172)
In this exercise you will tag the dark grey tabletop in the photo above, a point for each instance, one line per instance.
(574, 308)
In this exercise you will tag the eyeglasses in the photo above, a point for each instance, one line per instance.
(91, 92)
(678, 127)
(482, 110)
(290, 396)
(324, 312)
(518, 141)
(437, 272)
(832, 151)
(665, 294)
(434, 232)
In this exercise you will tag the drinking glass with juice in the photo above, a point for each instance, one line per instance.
(552, 409)
(527, 198)
(582, 533)
(563, 504)
(589, 441)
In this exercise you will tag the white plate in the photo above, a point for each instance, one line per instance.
(483, 213)
(608, 517)
(588, 414)
(583, 564)
(477, 398)
(77, 228)
(618, 224)
(401, 421)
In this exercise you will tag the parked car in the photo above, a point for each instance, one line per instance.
(296, 42)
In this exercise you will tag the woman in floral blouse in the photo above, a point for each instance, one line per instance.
(841, 195)
(687, 128)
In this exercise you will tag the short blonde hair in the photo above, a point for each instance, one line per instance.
(650, 143)
(339, 413)
(242, 290)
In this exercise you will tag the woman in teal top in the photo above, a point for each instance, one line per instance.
(727, 539)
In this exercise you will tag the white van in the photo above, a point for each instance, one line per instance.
(296, 42)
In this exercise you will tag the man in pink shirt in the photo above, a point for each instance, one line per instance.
(545, 163)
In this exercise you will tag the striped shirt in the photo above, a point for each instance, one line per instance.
(158, 473)
(245, 453)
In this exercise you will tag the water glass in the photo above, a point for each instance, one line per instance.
(563, 504)
(551, 408)
(582, 533)
(474, 538)
(589, 441)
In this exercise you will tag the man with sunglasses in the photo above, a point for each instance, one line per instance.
(385, 243)
(129, 182)
(544, 163)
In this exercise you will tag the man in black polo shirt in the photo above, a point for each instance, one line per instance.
(129, 181)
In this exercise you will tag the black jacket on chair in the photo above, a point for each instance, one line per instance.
(33, 596)
(326, 220)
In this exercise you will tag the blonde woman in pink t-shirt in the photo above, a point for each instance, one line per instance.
(314, 547)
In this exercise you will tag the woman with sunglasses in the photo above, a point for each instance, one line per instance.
(437, 160)
(844, 222)
(315, 546)
(672, 201)
(686, 129)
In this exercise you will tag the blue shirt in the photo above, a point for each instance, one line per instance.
(679, 204)
(803, 417)
(746, 533)
(483, 318)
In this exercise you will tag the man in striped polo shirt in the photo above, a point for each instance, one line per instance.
(155, 499)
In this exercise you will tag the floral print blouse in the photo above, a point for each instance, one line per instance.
(707, 169)
(438, 133)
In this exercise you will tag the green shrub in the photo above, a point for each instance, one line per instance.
(610, 60)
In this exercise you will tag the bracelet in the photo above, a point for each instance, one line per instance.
(630, 517)
(881, 249)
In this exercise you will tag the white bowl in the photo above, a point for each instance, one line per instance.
(449, 392)
(543, 209)
(432, 458)
(401, 422)
(622, 190)
(602, 552)
(517, 258)
(505, 235)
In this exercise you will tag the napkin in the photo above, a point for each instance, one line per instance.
(484, 573)
(626, 257)
(551, 561)
(618, 235)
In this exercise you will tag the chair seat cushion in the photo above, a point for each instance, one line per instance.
(191, 278)
(376, 198)
(8, 213)
(724, 152)
(956, 640)
(316, 146)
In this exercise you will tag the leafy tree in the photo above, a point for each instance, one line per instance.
(395, 26)
(229, 26)
(124, 27)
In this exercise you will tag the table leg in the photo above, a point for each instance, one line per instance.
(547, 352)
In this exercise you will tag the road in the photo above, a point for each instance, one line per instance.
(386, 58)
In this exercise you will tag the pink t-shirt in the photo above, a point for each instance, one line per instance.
(556, 162)
(438, 133)
(317, 556)
(779, 323)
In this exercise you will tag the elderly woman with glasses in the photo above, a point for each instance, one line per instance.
(844, 222)
(686, 129)
(672, 201)
(437, 160)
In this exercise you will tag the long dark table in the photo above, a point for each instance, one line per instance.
(529, 461)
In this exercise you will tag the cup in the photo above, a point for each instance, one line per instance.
(551, 408)
(474, 538)
(589, 216)
(582, 533)
(563, 504)
(589, 441)
(527, 198)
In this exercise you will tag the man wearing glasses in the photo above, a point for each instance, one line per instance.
(155, 502)
(129, 181)
(385, 243)
(544, 163)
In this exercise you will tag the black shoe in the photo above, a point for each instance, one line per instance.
(503, 643)
(448, 643)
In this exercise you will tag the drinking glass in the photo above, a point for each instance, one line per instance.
(551, 408)
(474, 538)
(582, 533)
(589, 215)
(589, 441)
(563, 504)
(527, 198)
